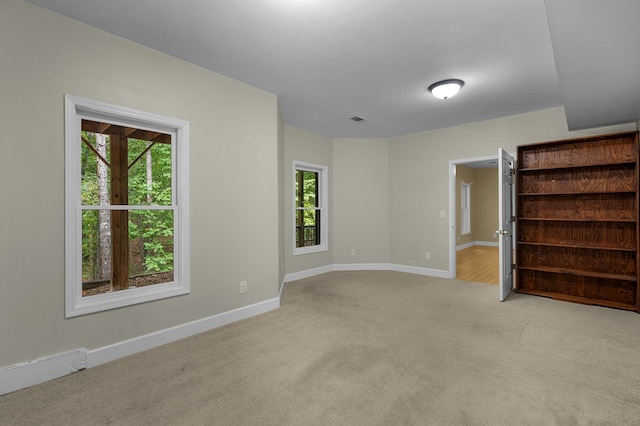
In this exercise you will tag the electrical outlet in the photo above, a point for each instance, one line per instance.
(353, 252)
(243, 286)
(427, 255)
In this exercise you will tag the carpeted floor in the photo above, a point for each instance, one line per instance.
(369, 348)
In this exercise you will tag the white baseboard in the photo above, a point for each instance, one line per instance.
(281, 292)
(465, 246)
(439, 273)
(477, 243)
(308, 273)
(487, 243)
(23, 375)
(361, 267)
(20, 376)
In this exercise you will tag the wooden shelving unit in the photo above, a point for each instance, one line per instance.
(577, 220)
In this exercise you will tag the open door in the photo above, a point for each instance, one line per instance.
(506, 166)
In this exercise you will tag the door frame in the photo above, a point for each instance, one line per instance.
(453, 204)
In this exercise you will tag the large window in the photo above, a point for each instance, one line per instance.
(126, 206)
(310, 208)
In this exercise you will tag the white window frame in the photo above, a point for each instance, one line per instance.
(323, 205)
(77, 109)
(465, 209)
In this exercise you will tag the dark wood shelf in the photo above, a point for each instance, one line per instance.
(549, 219)
(574, 193)
(578, 194)
(577, 218)
(580, 272)
(579, 299)
(576, 166)
(581, 246)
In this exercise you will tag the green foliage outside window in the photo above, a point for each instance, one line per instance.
(307, 207)
(150, 231)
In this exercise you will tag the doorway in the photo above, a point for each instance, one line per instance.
(473, 197)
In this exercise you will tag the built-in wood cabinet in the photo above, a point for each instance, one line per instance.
(577, 220)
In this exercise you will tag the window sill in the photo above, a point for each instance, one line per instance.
(132, 296)
(310, 249)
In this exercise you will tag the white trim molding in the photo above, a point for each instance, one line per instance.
(26, 374)
(465, 246)
(477, 243)
(487, 243)
(295, 276)
(438, 273)
(429, 272)
(362, 267)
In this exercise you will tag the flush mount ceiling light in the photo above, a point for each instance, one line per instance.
(446, 88)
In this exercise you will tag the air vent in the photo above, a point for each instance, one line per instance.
(356, 118)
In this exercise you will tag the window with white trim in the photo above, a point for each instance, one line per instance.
(465, 209)
(310, 184)
(126, 206)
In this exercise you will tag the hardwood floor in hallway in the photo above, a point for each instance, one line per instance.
(478, 264)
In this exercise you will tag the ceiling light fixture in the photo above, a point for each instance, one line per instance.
(446, 88)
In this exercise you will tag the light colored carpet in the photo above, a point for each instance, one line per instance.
(369, 348)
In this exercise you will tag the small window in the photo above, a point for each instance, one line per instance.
(126, 207)
(465, 209)
(310, 208)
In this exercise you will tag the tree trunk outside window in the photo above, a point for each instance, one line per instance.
(104, 216)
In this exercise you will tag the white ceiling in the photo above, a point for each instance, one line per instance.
(328, 60)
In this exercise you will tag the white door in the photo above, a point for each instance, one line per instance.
(506, 166)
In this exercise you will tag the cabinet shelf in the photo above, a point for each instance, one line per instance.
(615, 178)
(577, 193)
(590, 151)
(550, 219)
(576, 166)
(574, 246)
(579, 272)
(578, 233)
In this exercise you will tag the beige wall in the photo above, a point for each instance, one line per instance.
(314, 148)
(485, 210)
(465, 174)
(361, 201)
(358, 198)
(233, 172)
